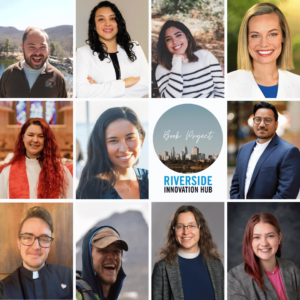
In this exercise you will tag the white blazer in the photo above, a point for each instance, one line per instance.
(241, 84)
(103, 73)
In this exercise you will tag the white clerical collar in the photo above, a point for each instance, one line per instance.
(188, 255)
(35, 274)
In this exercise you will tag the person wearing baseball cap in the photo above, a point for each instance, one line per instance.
(102, 273)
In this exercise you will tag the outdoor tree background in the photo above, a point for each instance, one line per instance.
(52, 48)
(7, 45)
(235, 13)
(59, 52)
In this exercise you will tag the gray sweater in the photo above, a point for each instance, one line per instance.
(241, 286)
(166, 280)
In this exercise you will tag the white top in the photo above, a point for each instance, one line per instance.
(103, 72)
(241, 84)
(33, 169)
(188, 255)
(255, 155)
(201, 79)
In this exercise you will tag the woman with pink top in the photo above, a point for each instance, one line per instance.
(264, 275)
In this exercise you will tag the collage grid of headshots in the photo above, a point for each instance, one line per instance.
(108, 192)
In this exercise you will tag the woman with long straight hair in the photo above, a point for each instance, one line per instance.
(265, 54)
(114, 149)
(264, 274)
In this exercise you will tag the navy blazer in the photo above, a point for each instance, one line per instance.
(276, 174)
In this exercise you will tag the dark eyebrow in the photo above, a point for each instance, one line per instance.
(131, 133)
(33, 44)
(104, 15)
(115, 137)
(174, 34)
(34, 235)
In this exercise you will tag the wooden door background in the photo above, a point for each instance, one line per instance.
(11, 215)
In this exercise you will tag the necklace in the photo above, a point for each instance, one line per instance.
(126, 186)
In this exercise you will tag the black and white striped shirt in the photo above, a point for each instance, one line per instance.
(201, 79)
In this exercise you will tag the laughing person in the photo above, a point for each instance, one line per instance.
(33, 77)
(264, 56)
(264, 274)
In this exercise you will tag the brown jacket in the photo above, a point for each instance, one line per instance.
(49, 84)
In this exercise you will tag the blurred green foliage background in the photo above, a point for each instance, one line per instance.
(235, 13)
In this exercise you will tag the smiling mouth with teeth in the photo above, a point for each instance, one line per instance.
(265, 250)
(177, 47)
(37, 59)
(110, 267)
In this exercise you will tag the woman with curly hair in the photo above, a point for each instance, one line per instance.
(114, 149)
(111, 65)
(263, 274)
(190, 267)
(184, 71)
(36, 170)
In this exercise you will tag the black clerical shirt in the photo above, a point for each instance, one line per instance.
(50, 282)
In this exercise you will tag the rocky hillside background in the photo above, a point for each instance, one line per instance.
(62, 34)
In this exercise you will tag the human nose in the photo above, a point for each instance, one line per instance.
(36, 244)
(35, 138)
(123, 146)
(264, 241)
(107, 22)
(185, 229)
(264, 41)
(111, 254)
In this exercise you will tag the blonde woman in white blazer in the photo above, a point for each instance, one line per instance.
(264, 56)
(110, 66)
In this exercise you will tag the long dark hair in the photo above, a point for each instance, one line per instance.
(207, 247)
(252, 266)
(164, 55)
(99, 174)
(123, 37)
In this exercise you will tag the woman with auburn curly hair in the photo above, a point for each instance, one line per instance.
(111, 65)
(264, 274)
(190, 267)
(36, 170)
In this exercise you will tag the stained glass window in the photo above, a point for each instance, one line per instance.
(36, 109)
(51, 112)
(21, 112)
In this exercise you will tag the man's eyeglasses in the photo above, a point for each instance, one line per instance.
(257, 120)
(28, 239)
(181, 227)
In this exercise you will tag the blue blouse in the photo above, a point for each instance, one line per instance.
(269, 91)
(142, 177)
